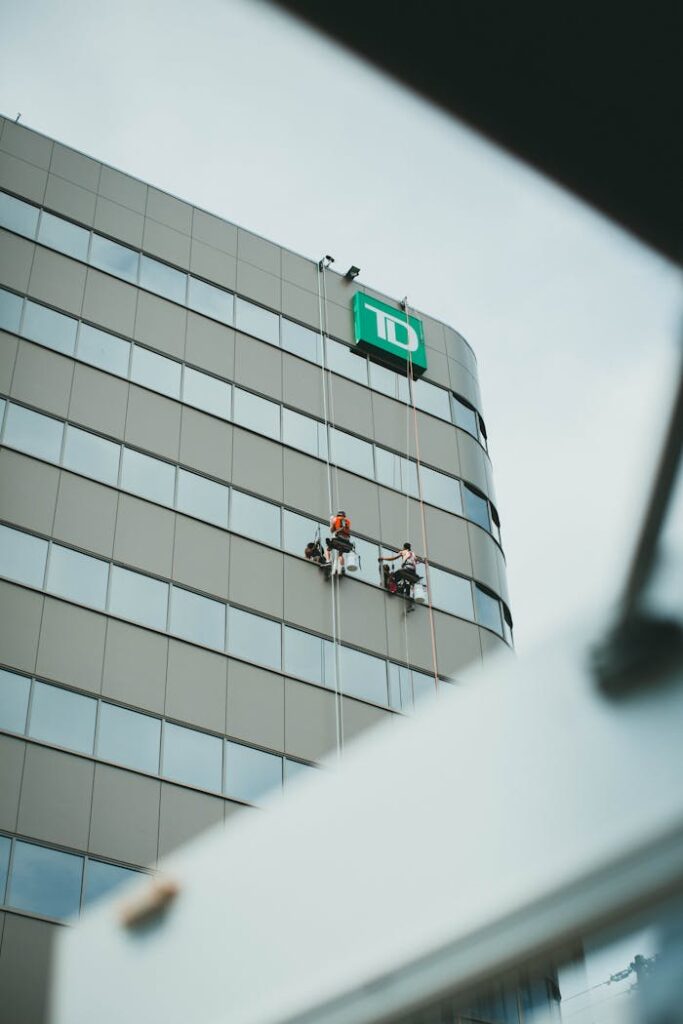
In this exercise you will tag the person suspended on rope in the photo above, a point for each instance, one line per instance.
(401, 580)
(339, 540)
(314, 552)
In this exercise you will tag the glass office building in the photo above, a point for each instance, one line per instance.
(172, 420)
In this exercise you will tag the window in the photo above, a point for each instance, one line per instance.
(433, 400)
(251, 319)
(298, 531)
(63, 718)
(363, 675)
(17, 216)
(251, 773)
(351, 453)
(137, 597)
(101, 879)
(5, 846)
(91, 455)
(155, 372)
(300, 341)
(400, 687)
(488, 610)
(49, 328)
(163, 280)
(396, 471)
(33, 433)
(77, 577)
(10, 311)
(103, 350)
(22, 557)
(367, 558)
(424, 686)
(45, 881)
(451, 593)
(192, 757)
(346, 362)
(64, 237)
(256, 519)
(464, 417)
(303, 654)
(383, 380)
(14, 691)
(476, 508)
(202, 498)
(254, 638)
(304, 433)
(441, 490)
(197, 618)
(211, 301)
(297, 770)
(256, 413)
(206, 392)
(128, 738)
(148, 477)
(115, 259)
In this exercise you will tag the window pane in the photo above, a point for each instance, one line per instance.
(367, 559)
(256, 413)
(51, 329)
(254, 638)
(129, 738)
(303, 655)
(464, 417)
(18, 216)
(202, 498)
(14, 691)
(363, 676)
(91, 455)
(300, 341)
(155, 372)
(301, 432)
(346, 362)
(254, 518)
(211, 301)
(396, 471)
(400, 687)
(192, 757)
(10, 311)
(197, 618)
(5, 845)
(137, 597)
(297, 770)
(101, 878)
(260, 322)
(384, 380)
(77, 577)
(45, 881)
(163, 280)
(103, 350)
(250, 773)
(476, 508)
(451, 593)
(148, 477)
(488, 610)
(424, 687)
(116, 259)
(33, 433)
(61, 717)
(207, 393)
(351, 453)
(433, 400)
(440, 490)
(65, 237)
(298, 531)
(22, 557)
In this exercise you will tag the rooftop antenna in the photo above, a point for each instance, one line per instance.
(325, 262)
(16, 119)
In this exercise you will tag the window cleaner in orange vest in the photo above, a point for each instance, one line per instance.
(339, 543)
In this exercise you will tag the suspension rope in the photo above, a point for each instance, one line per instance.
(408, 535)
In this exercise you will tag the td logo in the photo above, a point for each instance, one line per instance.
(388, 335)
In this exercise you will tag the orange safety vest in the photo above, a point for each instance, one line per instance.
(341, 524)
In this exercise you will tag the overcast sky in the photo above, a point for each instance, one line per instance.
(232, 106)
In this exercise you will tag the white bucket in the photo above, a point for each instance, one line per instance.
(419, 593)
(351, 562)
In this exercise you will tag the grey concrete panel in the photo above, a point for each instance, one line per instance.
(167, 243)
(16, 259)
(306, 484)
(399, 522)
(123, 189)
(437, 368)
(307, 596)
(350, 406)
(135, 662)
(210, 345)
(458, 349)
(28, 491)
(473, 461)
(257, 284)
(300, 271)
(256, 576)
(206, 444)
(492, 645)
(302, 385)
(448, 539)
(457, 643)
(310, 724)
(503, 588)
(214, 231)
(144, 535)
(98, 401)
(75, 167)
(258, 366)
(434, 333)
(125, 816)
(42, 378)
(438, 444)
(484, 552)
(359, 717)
(464, 384)
(393, 424)
(361, 612)
(213, 264)
(258, 251)
(490, 483)
(301, 304)
(8, 354)
(20, 614)
(340, 321)
(201, 556)
(64, 197)
(168, 210)
(57, 280)
(341, 292)
(416, 646)
(256, 705)
(86, 514)
(110, 303)
(118, 221)
(25, 964)
(360, 500)
(160, 324)
(23, 178)
(26, 144)
(153, 423)
(184, 815)
(196, 686)
(257, 464)
(55, 797)
(71, 647)
(11, 771)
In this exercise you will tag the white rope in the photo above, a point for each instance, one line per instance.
(405, 610)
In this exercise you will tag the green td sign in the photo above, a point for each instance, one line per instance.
(388, 335)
